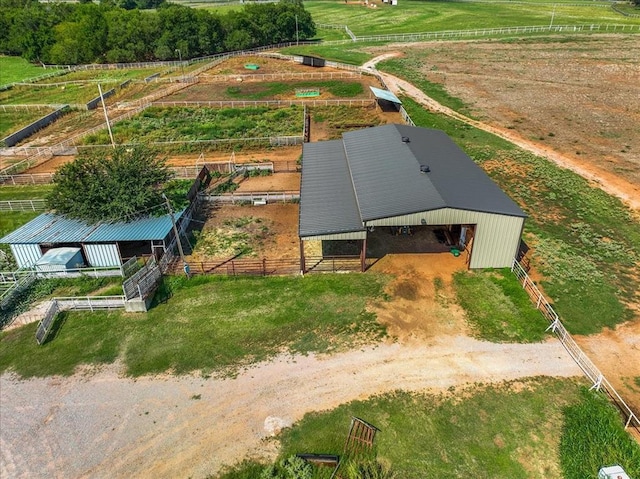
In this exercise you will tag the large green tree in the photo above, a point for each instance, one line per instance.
(122, 185)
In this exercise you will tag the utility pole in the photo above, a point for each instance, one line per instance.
(106, 117)
(185, 265)
(181, 64)
(553, 14)
(297, 29)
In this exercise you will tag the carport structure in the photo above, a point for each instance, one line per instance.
(404, 179)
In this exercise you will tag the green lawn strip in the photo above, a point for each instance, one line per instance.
(586, 242)
(497, 307)
(593, 436)
(509, 430)
(347, 53)
(416, 16)
(338, 88)
(107, 76)
(212, 324)
(13, 120)
(53, 94)
(28, 192)
(16, 69)
(189, 124)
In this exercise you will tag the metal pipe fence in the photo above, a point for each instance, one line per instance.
(23, 205)
(255, 197)
(363, 102)
(599, 382)
(26, 179)
(280, 77)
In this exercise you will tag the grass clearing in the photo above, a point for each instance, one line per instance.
(13, 120)
(513, 429)
(497, 307)
(27, 192)
(338, 119)
(337, 88)
(41, 94)
(17, 69)
(350, 54)
(157, 124)
(426, 16)
(586, 242)
(211, 324)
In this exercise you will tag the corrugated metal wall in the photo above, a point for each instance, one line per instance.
(99, 255)
(358, 235)
(26, 255)
(496, 238)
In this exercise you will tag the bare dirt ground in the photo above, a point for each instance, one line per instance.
(99, 424)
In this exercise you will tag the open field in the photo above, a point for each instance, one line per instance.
(420, 16)
(54, 94)
(15, 69)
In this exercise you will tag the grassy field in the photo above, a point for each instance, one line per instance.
(16, 69)
(13, 120)
(497, 307)
(412, 16)
(48, 95)
(273, 90)
(541, 428)
(29, 192)
(587, 243)
(199, 123)
(210, 324)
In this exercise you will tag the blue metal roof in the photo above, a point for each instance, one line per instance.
(52, 228)
(385, 95)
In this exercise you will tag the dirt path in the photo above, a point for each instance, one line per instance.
(616, 186)
(104, 426)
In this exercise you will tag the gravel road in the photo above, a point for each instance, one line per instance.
(102, 425)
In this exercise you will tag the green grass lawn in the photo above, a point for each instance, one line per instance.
(539, 428)
(587, 243)
(27, 192)
(267, 91)
(412, 16)
(13, 120)
(497, 307)
(210, 324)
(16, 69)
(48, 95)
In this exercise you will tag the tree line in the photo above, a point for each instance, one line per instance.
(114, 32)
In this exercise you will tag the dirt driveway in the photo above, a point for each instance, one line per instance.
(101, 425)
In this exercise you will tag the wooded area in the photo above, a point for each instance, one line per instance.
(70, 33)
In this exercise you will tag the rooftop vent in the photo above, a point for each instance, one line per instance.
(424, 169)
(405, 139)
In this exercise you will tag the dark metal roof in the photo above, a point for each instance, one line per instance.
(387, 171)
(327, 201)
(52, 228)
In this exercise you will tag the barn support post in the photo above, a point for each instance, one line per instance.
(303, 266)
(363, 255)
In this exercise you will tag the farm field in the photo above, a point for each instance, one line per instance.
(15, 69)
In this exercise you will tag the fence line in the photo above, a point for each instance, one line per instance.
(26, 179)
(369, 102)
(23, 281)
(23, 205)
(280, 76)
(31, 106)
(142, 282)
(256, 197)
(599, 382)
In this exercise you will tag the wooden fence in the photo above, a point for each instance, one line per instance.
(598, 381)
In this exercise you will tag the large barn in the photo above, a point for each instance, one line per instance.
(405, 180)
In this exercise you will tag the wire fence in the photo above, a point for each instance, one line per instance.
(599, 382)
(23, 205)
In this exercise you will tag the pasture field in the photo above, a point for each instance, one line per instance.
(12, 120)
(539, 428)
(42, 94)
(16, 69)
(415, 16)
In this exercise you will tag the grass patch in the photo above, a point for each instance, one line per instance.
(239, 236)
(497, 307)
(586, 242)
(27, 192)
(352, 55)
(191, 124)
(211, 324)
(517, 430)
(13, 120)
(53, 94)
(338, 119)
(337, 88)
(16, 69)
(593, 436)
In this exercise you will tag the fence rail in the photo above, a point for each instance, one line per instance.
(599, 382)
(363, 102)
(279, 76)
(23, 205)
(255, 197)
(90, 303)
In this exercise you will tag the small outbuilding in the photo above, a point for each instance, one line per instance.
(60, 259)
(98, 245)
(405, 180)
